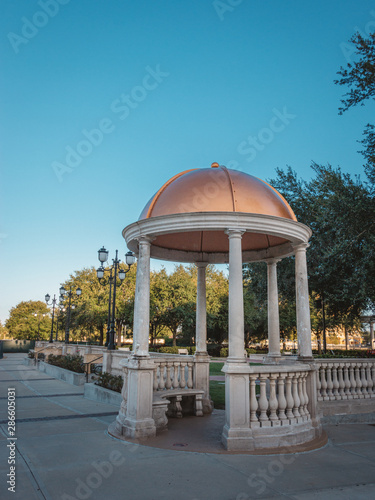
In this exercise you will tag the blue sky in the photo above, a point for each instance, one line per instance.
(157, 87)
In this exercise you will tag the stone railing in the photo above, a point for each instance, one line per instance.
(283, 397)
(345, 379)
(173, 372)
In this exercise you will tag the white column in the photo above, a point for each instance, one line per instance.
(142, 299)
(302, 302)
(273, 309)
(371, 334)
(135, 419)
(236, 334)
(201, 315)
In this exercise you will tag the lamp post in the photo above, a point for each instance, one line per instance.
(38, 315)
(53, 303)
(103, 257)
(69, 294)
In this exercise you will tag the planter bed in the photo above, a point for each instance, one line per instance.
(72, 378)
(101, 394)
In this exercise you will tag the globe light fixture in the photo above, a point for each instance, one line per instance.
(114, 270)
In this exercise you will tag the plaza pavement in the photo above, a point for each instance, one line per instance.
(64, 452)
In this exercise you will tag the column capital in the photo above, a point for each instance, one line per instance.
(271, 261)
(299, 247)
(145, 238)
(233, 233)
(201, 264)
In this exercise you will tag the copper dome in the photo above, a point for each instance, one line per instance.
(216, 189)
(188, 218)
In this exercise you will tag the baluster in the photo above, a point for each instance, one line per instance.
(296, 399)
(335, 382)
(182, 375)
(342, 394)
(253, 402)
(358, 381)
(348, 393)
(323, 382)
(364, 381)
(318, 385)
(263, 402)
(281, 398)
(190, 376)
(273, 403)
(306, 396)
(353, 384)
(301, 395)
(176, 382)
(168, 375)
(161, 377)
(329, 382)
(289, 398)
(156, 383)
(370, 383)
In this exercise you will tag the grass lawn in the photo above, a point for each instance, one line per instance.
(217, 393)
(215, 368)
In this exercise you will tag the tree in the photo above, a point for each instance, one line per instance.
(341, 213)
(3, 332)
(360, 78)
(29, 321)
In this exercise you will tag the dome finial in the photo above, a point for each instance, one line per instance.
(215, 165)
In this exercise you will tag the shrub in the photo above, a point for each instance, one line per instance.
(72, 362)
(169, 350)
(224, 352)
(41, 356)
(31, 354)
(111, 382)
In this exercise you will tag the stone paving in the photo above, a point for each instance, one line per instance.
(63, 451)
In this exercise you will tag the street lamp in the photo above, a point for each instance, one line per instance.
(64, 293)
(46, 298)
(103, 257)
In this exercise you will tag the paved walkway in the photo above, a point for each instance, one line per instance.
(64, 452)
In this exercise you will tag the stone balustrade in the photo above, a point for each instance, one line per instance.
(283, 398)
(345, 379)
(173, 372)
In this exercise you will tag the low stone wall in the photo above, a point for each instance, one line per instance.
(62, 374)
(97, 393)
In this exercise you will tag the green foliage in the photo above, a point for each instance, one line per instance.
(341, 353)
(111, 382)
(224, 352)
(170, 350)
(72, 362)
(29, 320)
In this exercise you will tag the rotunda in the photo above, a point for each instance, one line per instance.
(220, 215)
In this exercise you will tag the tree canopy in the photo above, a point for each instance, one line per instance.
(29, 320)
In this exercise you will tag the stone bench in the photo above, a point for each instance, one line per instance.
(168, 404)
(183, 351)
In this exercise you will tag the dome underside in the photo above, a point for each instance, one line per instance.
(216, 190)
(214, 241)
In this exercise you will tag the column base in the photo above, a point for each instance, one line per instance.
(139, 429)
(272, 359)
(305, 359)
(239, 439)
